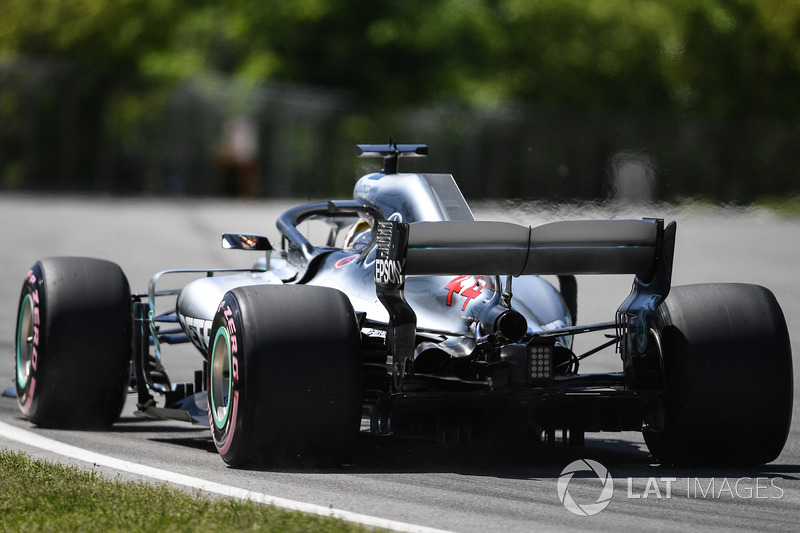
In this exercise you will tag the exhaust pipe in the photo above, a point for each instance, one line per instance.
(506, 323)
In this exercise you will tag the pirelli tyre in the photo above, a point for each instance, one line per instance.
(728, 385)
(284, 380)
(73, 343)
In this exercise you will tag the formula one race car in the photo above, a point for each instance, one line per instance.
(424, 323)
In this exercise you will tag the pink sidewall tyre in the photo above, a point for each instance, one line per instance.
(284, 380)
(73, 343)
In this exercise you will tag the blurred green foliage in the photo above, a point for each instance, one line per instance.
(710, 56)
(733, 61)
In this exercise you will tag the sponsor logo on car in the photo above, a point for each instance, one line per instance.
(344, 261)
(198, 330)
(387, 272)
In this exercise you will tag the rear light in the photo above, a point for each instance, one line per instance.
(540, 362)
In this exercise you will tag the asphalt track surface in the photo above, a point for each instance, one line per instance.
(487, 489)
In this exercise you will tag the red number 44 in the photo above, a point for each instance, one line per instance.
(467, 286)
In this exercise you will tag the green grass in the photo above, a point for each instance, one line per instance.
(41, 496)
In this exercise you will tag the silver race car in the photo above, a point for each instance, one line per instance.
(414, 320)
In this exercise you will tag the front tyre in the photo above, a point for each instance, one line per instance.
(73, 343)
(728, 384)
(284, 380)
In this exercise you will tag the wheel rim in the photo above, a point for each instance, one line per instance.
(25, 341)
(221, 383)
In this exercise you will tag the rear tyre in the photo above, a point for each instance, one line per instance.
(284, 380)
(73, 343)
(728, 384)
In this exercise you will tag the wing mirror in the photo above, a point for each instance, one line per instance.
(245, 241)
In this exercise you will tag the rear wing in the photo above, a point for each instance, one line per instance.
(643, 248)
(570, 247)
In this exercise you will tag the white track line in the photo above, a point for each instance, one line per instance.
(32, 439)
